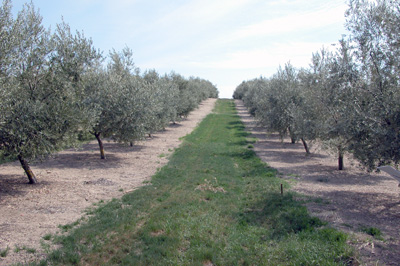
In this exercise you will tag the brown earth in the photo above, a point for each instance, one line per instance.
(73, 180)
(349, 200)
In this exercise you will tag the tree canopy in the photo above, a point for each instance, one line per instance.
(55, 86)
(348, 98)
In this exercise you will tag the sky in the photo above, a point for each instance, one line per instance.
(223, 41)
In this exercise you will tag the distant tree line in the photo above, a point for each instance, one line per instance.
(55, 87)
(349, 98)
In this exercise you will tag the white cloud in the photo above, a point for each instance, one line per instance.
(298, 53)
(201, 12)
(293, 22)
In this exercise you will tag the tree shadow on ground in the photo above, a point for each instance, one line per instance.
(351, 198)
(88, 156)
(16, 185)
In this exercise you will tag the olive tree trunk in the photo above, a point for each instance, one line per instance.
(27, 169)
(305, 146)
(102, 155)
(292, 136)
(340, 159)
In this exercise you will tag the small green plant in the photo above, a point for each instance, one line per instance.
(29, 250)
(18, 249)
(67, 227)
(47, 237)
(162, 155)
(4, 253)
(250, 146)
(45, 246)
(373, 231)
(121, 190)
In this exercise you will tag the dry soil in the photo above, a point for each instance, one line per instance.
(349, 200)
(73, 180)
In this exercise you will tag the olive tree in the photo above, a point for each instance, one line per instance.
(191, 92)
(187, 100)
(374, 27)
(240, 90)
(164, 100)
(333, 82)
(279, 102)
(118, 97)
(252, 97)
(41, 87)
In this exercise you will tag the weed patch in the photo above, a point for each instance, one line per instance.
(373, 231)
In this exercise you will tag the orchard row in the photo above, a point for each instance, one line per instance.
(55, 87)
(349, 98)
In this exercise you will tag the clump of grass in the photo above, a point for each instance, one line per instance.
(18, 249)
(30, 250)
(231, 214)
(47, 237)
(4, 252)
(68, 227)
(373, 231)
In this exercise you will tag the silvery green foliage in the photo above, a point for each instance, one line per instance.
(119, 98)
(53, 87)
(191, 92)
(169, 96)
(129, 106)
(132, 104)
(315, 103)
(306, 117)
(348, 98)
(285, 90)
(257, 88)
(165, 100)
(42, 90)
(376, 34)
(187, 99)
(240, 90)
(276, 101)
(41, 85)
(7, 51)
(333, 80)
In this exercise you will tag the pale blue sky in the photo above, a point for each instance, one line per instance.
(224, 41)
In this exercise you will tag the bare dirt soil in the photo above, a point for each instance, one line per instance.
(349, 200)
(73, 180)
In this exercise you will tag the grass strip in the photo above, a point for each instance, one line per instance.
(214, 203)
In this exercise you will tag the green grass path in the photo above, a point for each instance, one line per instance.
(214, 203)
